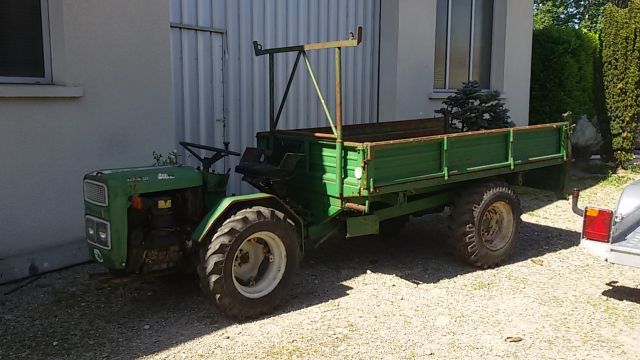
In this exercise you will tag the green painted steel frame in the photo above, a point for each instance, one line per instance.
(301, 50)
(463, 156)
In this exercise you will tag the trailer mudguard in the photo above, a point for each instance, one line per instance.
(232, 204)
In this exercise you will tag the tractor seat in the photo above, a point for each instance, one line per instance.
(254, 164)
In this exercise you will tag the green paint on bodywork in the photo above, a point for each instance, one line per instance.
(409, 164)
(314, 187)
(362, 225)
(219, 209)
(370, 224)
(122, 184)
(407, 175)
(147, 179)
(399, 177)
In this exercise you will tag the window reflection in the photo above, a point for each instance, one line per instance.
(463, 43)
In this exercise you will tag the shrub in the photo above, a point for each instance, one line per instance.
(621, 76)
(562, 74)
(471, 108)
(170, 159)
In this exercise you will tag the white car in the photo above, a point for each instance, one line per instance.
(613, 235)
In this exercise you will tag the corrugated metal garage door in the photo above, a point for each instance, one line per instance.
(244, 103)
(197, 60)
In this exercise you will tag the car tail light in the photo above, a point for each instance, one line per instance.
(597, 224)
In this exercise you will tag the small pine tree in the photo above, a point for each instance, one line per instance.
(471, 109)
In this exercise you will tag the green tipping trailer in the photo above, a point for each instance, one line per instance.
(393, 169)
(340, 180)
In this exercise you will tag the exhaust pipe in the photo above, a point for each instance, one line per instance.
(575, 196)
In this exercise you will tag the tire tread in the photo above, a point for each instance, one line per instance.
(214, 254)
(461, 224)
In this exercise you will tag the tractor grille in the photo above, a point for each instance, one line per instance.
(96, 193)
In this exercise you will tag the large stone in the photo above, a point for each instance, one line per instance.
(586, 138)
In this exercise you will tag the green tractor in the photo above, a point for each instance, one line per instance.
(314, 184)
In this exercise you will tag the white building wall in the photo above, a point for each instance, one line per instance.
(516, 85)
(111, 108)
(408, 53)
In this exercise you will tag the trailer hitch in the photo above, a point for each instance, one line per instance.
(575, 196)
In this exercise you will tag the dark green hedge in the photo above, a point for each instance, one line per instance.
(621, 76)
(562, 74)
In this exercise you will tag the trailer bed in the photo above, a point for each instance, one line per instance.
(402, 155)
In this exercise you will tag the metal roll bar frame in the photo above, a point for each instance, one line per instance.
(301, 50)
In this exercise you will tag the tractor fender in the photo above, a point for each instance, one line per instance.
(232, 204)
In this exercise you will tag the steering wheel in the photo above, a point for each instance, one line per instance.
(207, 161)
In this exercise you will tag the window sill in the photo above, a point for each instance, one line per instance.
(438, 95)
(40, 91)
(441, 95)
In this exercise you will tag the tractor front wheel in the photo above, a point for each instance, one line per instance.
(247, 267)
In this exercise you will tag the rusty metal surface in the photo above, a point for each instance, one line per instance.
(358, 134)
(470, 133)
(401, 131)
(355, 207)
(353, 41)
(301, 50)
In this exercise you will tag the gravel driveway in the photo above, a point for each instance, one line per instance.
(403, 297)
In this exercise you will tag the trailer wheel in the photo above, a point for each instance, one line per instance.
(247, 268)
(485, 224)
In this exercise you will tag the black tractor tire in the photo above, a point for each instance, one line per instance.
(468, 225)
(390, 228)
(218, 253)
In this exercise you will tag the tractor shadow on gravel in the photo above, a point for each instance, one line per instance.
(418, 254)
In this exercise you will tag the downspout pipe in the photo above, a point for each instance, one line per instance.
(575, 196)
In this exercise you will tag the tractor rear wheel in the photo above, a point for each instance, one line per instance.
(247, 267)
(485, 224)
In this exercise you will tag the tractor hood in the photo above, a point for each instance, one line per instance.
(107, 195)
(142, 180)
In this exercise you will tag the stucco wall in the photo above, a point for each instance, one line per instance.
(407, 58)
(116, 54)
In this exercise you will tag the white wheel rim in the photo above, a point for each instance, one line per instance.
(496, 226)
(249, 274)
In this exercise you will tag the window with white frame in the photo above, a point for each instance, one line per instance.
(463, 43)
(25, 55)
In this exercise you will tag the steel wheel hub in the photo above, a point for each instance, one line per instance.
(259, 264)
(496, 226)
